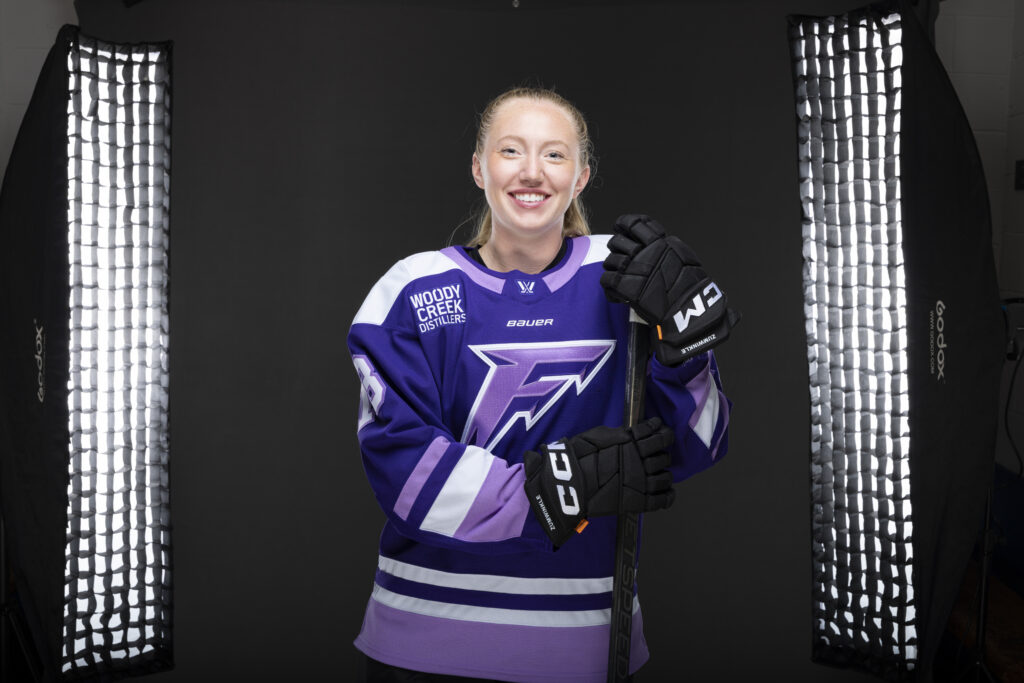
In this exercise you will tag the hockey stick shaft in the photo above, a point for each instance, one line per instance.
(620, 639)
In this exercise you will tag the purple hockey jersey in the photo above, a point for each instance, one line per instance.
(463, 370)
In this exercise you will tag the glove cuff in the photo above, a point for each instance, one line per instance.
(554, 487)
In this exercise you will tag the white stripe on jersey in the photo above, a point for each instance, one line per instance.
(458, 493)
(705, 427)
(494, 583)
(598, 249)
(382, 297)
(495, 615)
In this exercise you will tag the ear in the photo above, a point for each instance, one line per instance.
(478, 172)
(581, 182)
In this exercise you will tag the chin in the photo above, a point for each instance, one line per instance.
(533, 230)
(535, 225)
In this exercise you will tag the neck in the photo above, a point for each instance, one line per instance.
(528, 256)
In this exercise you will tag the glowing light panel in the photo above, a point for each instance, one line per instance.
(848, 82)
(118, 568)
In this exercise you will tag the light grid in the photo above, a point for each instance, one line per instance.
(848, 84)
(117, 577)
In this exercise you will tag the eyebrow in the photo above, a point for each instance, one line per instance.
(543, 144)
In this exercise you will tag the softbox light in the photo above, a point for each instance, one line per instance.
(83, 389)
(903, 336)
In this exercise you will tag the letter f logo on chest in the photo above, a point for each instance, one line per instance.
(525, 380)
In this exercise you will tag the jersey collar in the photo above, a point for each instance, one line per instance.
(561, 270)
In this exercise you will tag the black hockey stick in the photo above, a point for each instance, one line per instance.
(620, 640)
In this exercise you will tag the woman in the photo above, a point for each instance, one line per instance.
(492, 380)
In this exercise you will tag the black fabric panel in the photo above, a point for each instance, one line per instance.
(34, 367)
(953, 336)
(948, 251)
(927, 12)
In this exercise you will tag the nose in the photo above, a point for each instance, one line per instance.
(531, 172)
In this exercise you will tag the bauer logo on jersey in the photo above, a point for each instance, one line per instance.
(525, 286)
(524, 381)
(536, 322)
(439, 306)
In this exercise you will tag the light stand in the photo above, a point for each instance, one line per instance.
(978, 670)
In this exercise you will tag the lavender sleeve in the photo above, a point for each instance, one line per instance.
(690, 399)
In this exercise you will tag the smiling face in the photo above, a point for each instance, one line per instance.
(530, 169)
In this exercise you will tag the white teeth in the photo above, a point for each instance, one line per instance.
(529, 197)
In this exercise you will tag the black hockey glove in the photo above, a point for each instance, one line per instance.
(662, 280)
(581, 476)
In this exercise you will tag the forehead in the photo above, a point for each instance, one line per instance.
(529, 118)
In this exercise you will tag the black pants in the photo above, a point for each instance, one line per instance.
(377, 672)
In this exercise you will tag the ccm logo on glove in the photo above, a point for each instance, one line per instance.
(562, 470)
(701, 302)
(602, 471)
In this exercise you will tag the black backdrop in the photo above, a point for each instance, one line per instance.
(314, 143)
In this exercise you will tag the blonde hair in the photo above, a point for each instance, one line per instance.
(575, 221)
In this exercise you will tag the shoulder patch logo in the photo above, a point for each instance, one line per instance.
(438, 307)
(525, 380)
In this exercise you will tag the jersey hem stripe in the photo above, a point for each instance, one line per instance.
(495, 615)
(526, 655)
(494, 583)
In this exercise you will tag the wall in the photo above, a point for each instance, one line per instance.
(27, 31)
(981, 44)
(1012, 263)
(275, 529)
